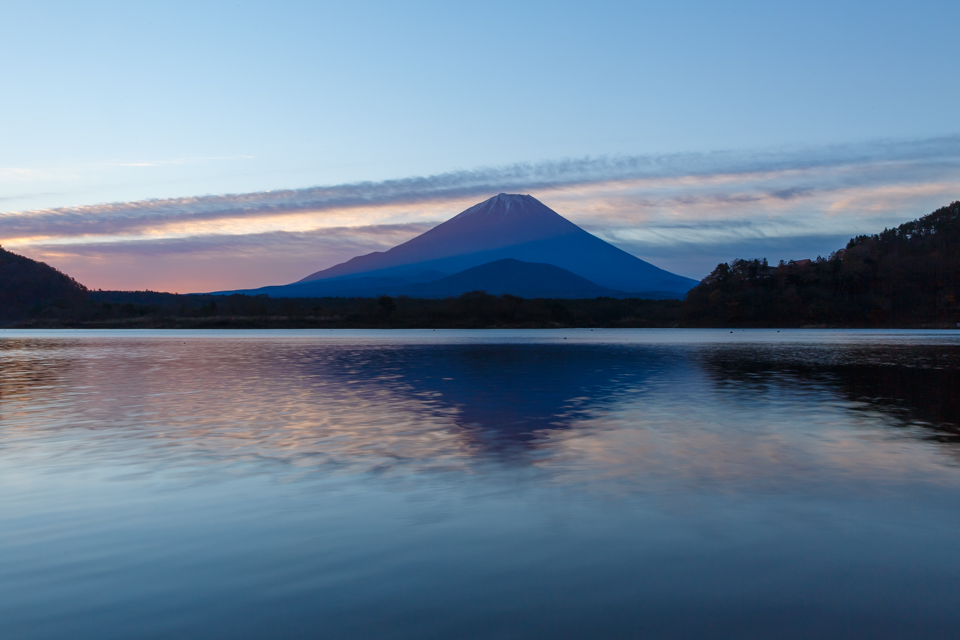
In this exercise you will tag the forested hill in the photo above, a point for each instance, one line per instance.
(28, 286)
(907, 276)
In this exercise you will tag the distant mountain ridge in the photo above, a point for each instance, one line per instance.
(504, 227)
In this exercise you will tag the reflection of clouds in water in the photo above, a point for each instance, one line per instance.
(708, 449)
(163, 403)
(641, 416)
(748, 416)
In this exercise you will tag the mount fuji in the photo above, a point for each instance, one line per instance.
(538, 253)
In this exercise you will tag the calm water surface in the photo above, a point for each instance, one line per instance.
(479, 484)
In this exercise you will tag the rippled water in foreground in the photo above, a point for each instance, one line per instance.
(479, 484)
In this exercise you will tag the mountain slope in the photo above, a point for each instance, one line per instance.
(509, 276)
(27, 284)
(501, 221)
(506, 276)
(510, 226)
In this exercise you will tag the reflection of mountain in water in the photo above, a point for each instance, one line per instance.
(916, 385)
(505, 393)
(367, 405)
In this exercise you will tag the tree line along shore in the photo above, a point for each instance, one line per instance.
(906, 277)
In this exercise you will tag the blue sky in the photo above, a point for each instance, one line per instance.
(847, 110)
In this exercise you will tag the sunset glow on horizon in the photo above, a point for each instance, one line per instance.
(129, 163)
(684, 219)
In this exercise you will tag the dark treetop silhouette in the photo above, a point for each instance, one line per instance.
(907, 276)
(26, 284)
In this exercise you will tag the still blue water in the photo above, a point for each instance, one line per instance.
(479, 484)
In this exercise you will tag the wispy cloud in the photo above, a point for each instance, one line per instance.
(205, 263)
(374, 237)
(643, 203)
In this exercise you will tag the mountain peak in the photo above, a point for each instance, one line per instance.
(509, 199)
(508, 203)
(516, 226)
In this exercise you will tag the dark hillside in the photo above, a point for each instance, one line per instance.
(28, 286)
(903, 277)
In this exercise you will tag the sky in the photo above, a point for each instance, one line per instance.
(199, 146)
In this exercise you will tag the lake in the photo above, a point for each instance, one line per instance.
(479, 484)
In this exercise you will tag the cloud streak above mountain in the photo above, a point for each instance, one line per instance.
(684, 212)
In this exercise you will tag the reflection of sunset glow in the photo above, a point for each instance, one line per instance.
(691, 450)
(340, 405)
(231, 419)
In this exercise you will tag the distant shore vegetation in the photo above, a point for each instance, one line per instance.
(905, 277)
(473, 310)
